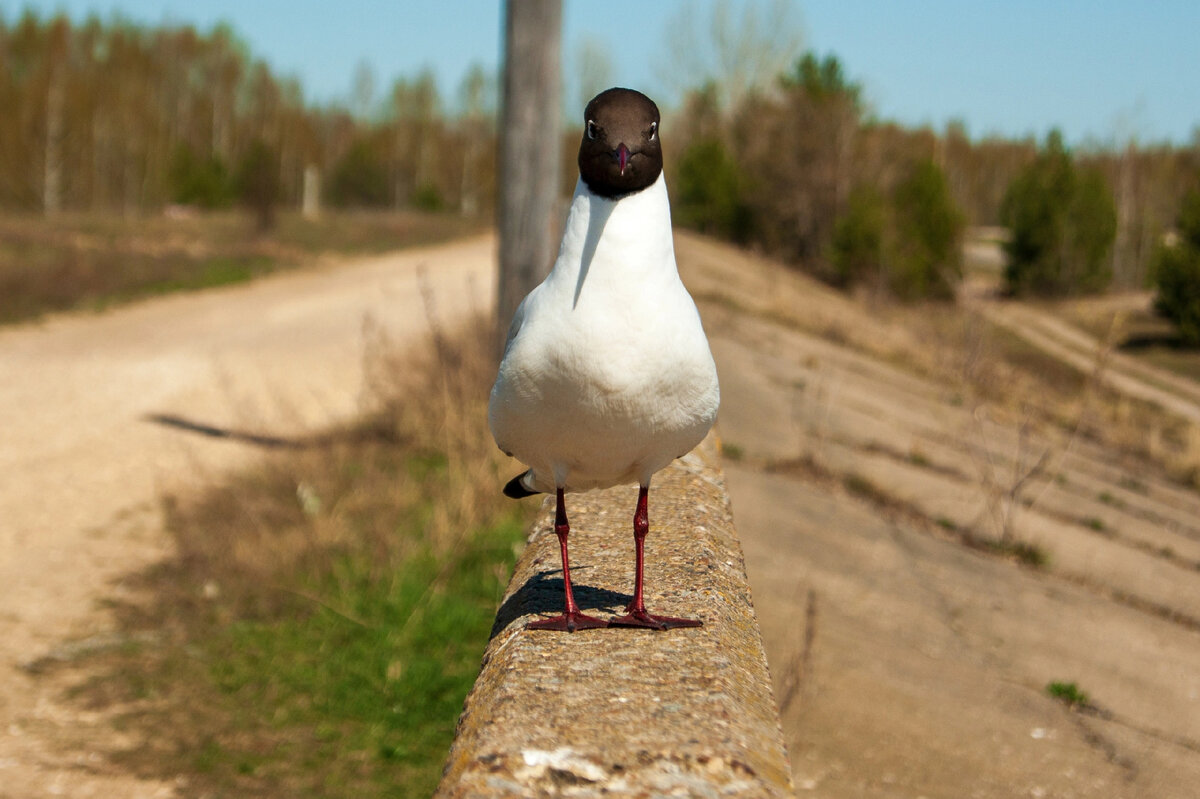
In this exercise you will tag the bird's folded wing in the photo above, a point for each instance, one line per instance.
(517, 320)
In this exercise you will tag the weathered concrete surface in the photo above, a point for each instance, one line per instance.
(627, 712)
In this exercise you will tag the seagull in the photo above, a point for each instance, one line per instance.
(607, 375)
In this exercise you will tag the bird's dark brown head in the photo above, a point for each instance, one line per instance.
(620, 152)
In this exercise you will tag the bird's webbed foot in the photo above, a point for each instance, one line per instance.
(567, 622)
(641, 618)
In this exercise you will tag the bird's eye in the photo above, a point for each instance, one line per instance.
(653, 130)
(592, 130)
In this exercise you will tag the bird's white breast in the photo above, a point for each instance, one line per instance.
(608, 375)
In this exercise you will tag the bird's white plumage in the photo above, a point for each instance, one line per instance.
(607, 375)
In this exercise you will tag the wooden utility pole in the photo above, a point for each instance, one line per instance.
(529, 149)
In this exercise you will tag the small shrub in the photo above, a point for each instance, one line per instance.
(1030, 555)
(928, 226)
(1068, 693)
(709, 189)
(428, 197)
(907, 243)
(1188, 220)
(1026, 554)
(858, 238)
(359, 179)
(1176, 272)
(201, 182)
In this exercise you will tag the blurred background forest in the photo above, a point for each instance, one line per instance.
(112, 116)
(777, 150)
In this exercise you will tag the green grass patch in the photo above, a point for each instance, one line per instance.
(1068, 693)
(918, 458)
(732, 452)
(1024, 553)
(353, 690)
(168, 278)
(863, 488)
(363, 692)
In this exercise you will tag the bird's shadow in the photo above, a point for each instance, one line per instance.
(212, 431)
(543, 594)
(598, 215)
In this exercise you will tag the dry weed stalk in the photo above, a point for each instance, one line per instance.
(418, 472)
(797, 674)
(1005, 489)
(1004, 493)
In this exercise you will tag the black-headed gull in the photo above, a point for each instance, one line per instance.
(607, 376)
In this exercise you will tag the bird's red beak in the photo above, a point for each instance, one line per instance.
(622, 157)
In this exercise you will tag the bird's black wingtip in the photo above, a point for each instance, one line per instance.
(516, 489)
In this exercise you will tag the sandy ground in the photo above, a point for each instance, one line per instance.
(84, 467)
(908, 665)
(913, 666)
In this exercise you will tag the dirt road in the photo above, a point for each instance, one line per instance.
(84, 465)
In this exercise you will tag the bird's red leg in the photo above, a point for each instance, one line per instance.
(571, 619)
(636, 614)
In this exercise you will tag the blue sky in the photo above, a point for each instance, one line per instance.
(1100, 71)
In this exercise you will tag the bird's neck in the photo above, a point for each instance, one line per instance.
(630, 235)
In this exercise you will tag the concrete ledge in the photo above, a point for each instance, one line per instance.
(627, 712)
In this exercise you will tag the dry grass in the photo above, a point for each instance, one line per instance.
(325, 613)
(77, 261)
(423, 451)
(1136, 329)
(983, 365)
(1023, 385)
(954, 346)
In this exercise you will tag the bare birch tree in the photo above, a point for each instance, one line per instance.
(56, 88)
(477, 109)
(594, 68)
(736, 55)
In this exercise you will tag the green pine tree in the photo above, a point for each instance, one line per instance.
(1062, 222)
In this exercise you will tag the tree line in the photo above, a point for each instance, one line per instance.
(111, 115)
(800, 169)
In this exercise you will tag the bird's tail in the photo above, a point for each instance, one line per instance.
(516, 488)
